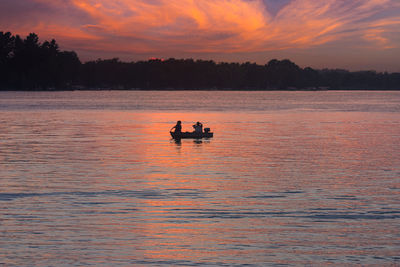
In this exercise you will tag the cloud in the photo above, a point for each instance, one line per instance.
(206, 26)
(176, 24)
(274, 6)
(308, 23)
(50, 19)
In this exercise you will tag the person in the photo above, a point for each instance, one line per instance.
(198, 127)
(177, 127)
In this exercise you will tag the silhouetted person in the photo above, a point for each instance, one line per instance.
(198, 127)
(177, 127)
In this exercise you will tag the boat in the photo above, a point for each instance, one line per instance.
(193, 135)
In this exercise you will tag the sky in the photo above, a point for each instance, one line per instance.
(348, 34)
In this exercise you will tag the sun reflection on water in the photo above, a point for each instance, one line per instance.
(111, 187)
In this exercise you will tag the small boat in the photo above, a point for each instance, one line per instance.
(194, 135)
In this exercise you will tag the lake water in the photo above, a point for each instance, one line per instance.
(290, 178)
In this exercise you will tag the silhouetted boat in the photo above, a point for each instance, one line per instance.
(185, 135)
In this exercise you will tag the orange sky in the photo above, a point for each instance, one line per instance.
(352, 34)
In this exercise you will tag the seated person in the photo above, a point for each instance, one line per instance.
(198, 127)
(177, 127)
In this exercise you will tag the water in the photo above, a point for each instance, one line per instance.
(290, 178)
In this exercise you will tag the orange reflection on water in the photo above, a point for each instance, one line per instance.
(269, 187)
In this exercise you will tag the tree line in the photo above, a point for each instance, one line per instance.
(27, 64)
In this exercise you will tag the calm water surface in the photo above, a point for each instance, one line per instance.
(290, 178)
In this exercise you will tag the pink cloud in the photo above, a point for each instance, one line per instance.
(240, 25)
(175, 27)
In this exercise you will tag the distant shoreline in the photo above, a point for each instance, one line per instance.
(28, 65)
(192, 90)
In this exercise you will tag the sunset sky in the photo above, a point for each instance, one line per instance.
(350, 34)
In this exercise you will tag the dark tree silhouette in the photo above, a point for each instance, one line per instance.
(27, 64)
(7, 45)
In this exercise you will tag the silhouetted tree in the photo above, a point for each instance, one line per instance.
(283, 74)
(7, 44)
(28, 64)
